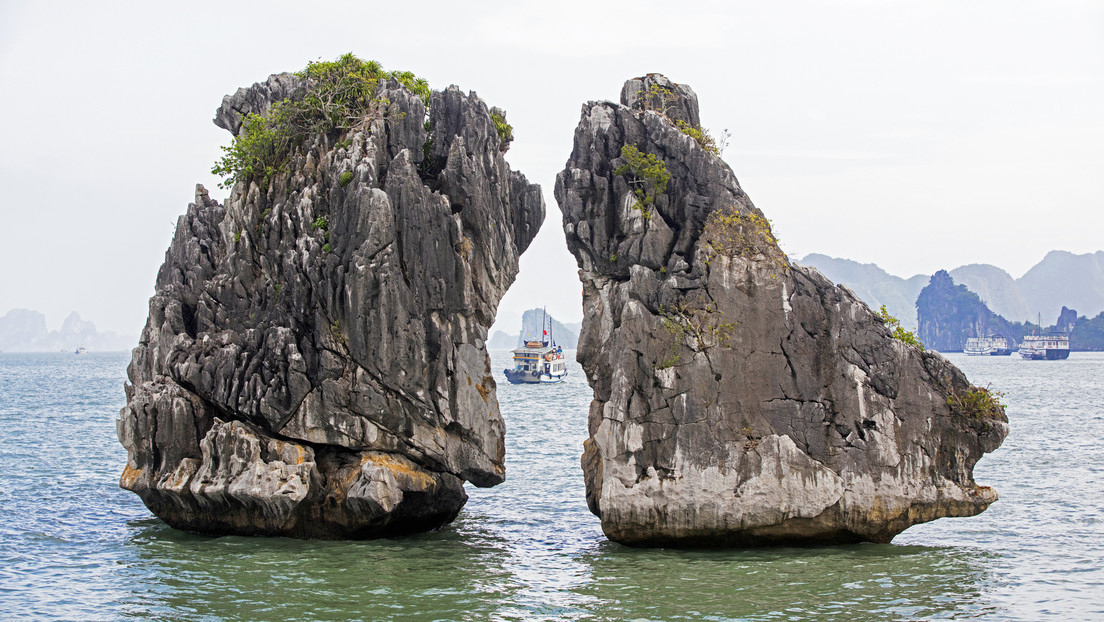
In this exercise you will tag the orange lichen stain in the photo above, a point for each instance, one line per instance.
(469, 380)
(483, 390)
(397, 468)
(350, 475)
(130, 475)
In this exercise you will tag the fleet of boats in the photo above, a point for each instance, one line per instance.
(1048, 347)
(541, 361)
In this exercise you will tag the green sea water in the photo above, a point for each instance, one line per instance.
(75, 546)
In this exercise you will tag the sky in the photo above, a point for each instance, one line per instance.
(915, 135)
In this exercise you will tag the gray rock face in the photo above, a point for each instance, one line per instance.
(874, 286)
(255, 100)
(739, 399)
(314, 363)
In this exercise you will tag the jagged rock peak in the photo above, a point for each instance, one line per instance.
(314, 363)
(740, 399)
(656, 92)
(255, 99)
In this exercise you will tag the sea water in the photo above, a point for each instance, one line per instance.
(75, 546)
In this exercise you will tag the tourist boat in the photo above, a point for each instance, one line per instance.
(538, 362)
(1045, 347)
(993, 345)
(81, 350)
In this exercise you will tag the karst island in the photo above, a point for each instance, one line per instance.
(314, 363)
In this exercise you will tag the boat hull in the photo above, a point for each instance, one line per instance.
(1045, 355)
(514, 376)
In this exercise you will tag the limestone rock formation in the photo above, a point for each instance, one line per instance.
(314, 363)
(740, 399)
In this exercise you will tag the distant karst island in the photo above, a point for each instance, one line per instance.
(24, 330)
(566, 335)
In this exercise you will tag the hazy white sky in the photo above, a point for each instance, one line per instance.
(914, 135)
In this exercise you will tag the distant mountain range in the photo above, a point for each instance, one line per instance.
(566, 335)
(1060, 279)
(23, 330)
(873, 285)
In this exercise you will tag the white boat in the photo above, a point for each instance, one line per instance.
(81, 350)
(540, 361)
(1052, 347)
(993, 345)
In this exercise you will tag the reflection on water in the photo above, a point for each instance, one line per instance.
(73, 545)
(867, 581)
(436, 576)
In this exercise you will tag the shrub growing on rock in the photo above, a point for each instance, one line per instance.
(337, 96)
(899, 332)
(979, 403)
(646, 174)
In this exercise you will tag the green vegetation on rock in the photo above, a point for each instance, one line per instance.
(730, 233)
(699, 134)
(900, 333)
(698, 324)
(662, 99)
(504, 129)
(979, 403)
(337, 96)
(659, 98)
(646, 174)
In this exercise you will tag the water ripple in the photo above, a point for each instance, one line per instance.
(75, 546)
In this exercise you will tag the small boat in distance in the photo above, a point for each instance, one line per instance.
(993, 345)
(540, 361)
(81, 350)
(1053, 347)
